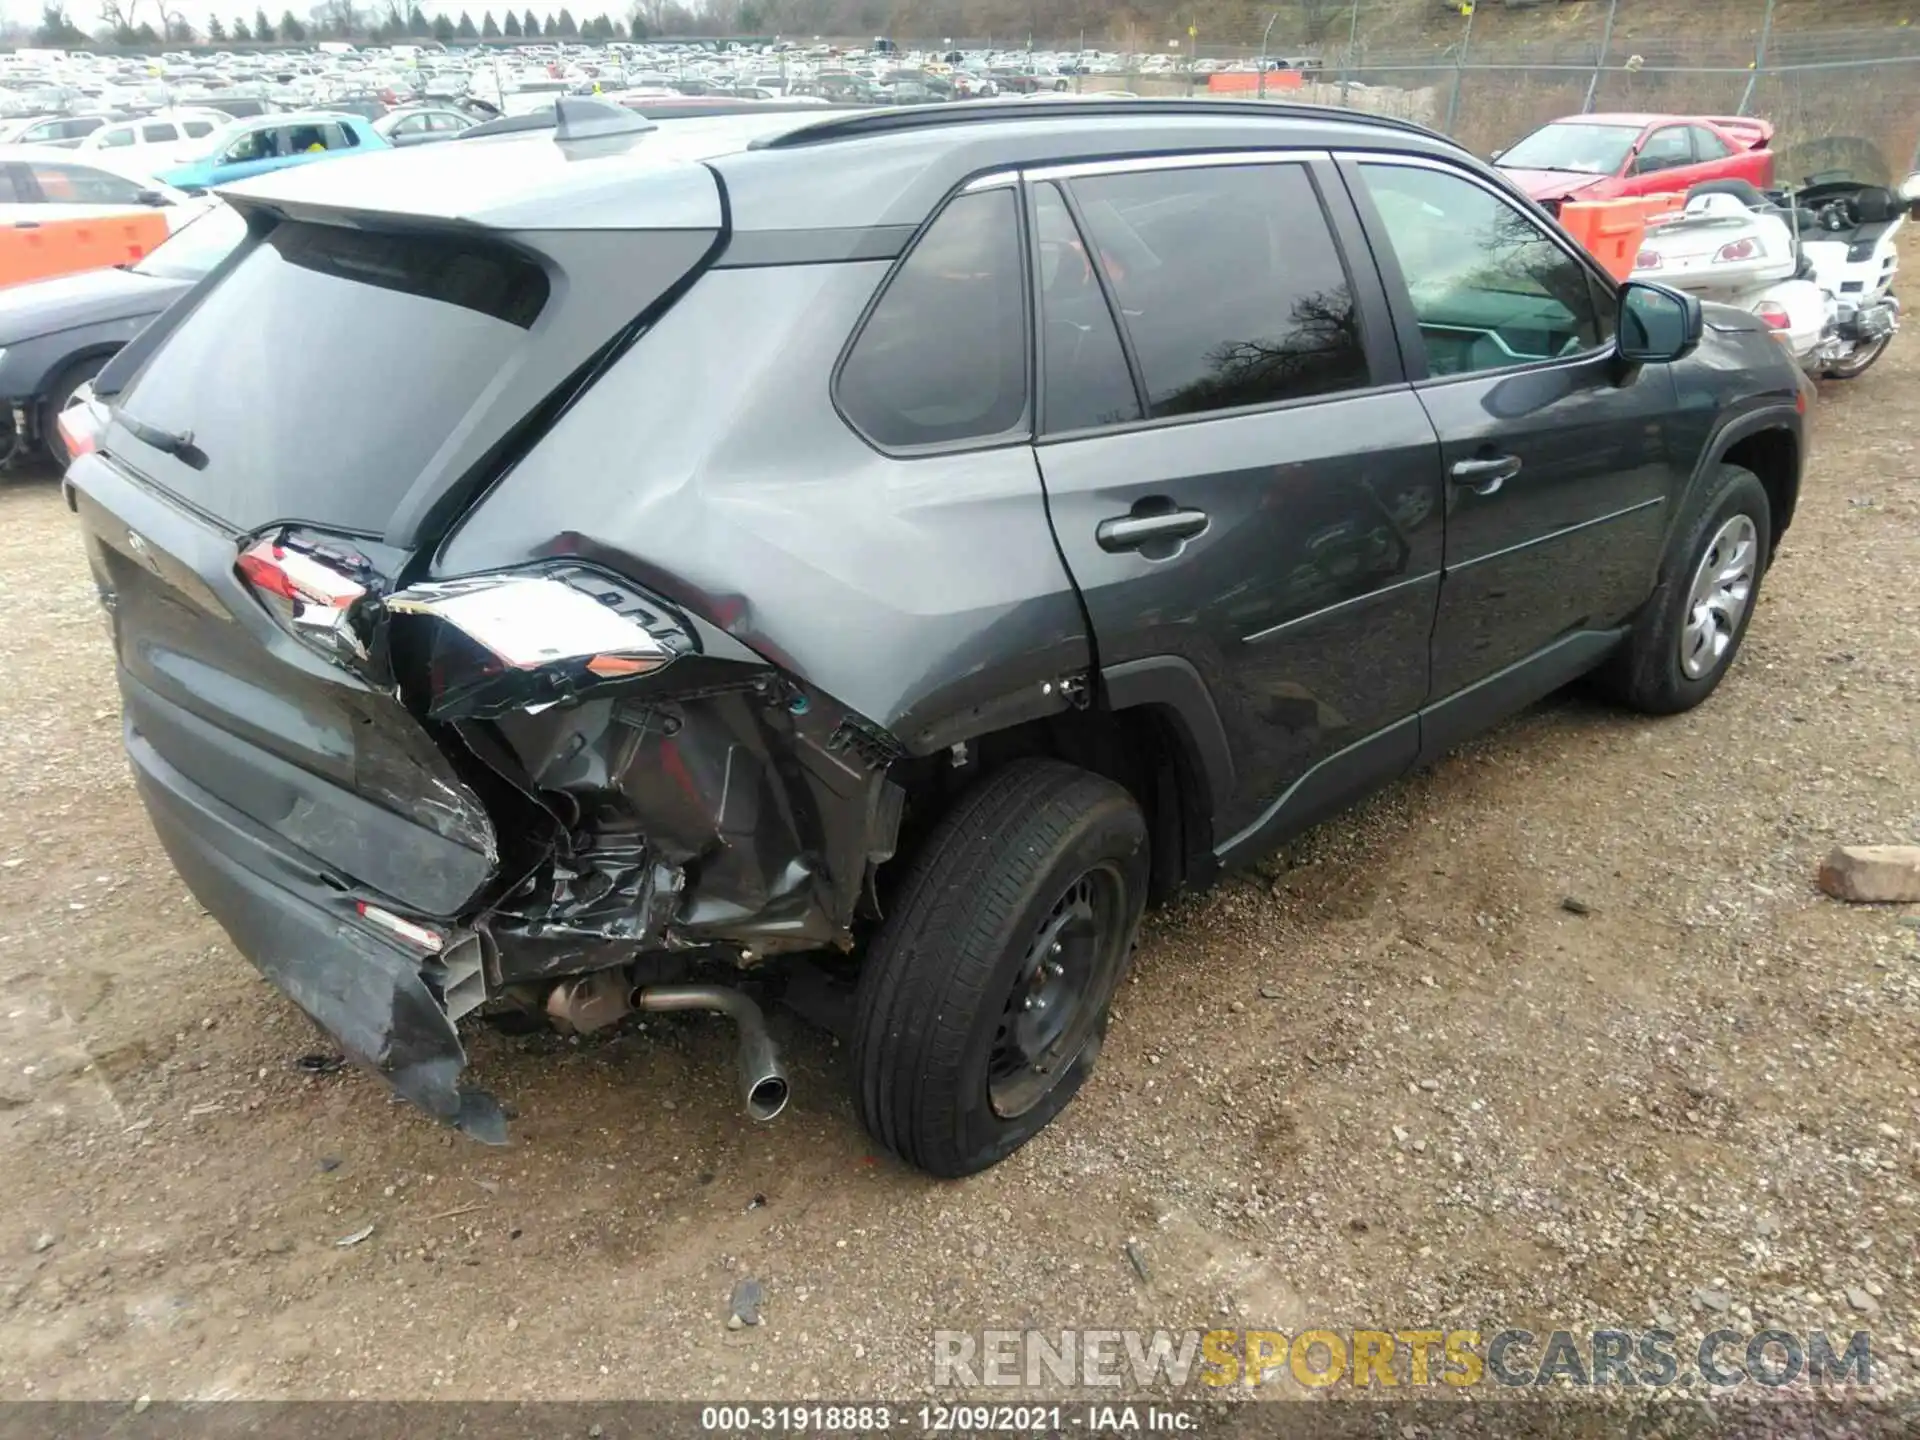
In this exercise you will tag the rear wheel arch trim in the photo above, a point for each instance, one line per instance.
(1171, 684)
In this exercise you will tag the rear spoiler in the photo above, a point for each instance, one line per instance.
(1752, 133)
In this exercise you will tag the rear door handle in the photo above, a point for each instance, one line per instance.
(1485, 475)
(1130, 532)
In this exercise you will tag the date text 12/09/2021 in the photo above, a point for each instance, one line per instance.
(856, 1419)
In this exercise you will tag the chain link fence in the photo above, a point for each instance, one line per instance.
(1837, 97)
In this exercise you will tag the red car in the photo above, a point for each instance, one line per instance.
(1604, 157)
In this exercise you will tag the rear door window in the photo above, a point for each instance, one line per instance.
(1085, 381)
(326, 369)
(1666, 149)
(158, 134)
(942, 356)
(116, 137)
(198, 129)
(1230, 286)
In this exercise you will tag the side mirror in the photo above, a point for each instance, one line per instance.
(152, 197)
(1657, 326)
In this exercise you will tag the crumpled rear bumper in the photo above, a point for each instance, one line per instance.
(385, 1006)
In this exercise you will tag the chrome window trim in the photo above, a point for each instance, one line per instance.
(1186, 160)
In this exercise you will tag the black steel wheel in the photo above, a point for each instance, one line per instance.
(984, 997)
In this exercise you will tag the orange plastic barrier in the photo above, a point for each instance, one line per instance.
(35, 251)
(1236, 82)
(1611, 230)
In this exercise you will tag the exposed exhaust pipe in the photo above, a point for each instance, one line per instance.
(763, 1079)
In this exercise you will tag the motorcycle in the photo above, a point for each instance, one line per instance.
(1816, 264)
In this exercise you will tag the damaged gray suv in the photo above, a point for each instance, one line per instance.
(634, 565)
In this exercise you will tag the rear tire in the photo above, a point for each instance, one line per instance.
(69, 380)
(983, 1001)
(1690, 630)
(1858, 363)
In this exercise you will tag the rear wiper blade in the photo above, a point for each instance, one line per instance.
(168, 441)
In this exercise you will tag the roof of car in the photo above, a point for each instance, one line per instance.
(792, 168)
(1629, 118)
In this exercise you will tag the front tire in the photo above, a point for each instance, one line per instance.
(983, 1001)
(1690, 630)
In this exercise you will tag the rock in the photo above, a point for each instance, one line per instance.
(1860, 1300)
(1574, 906)
(1873, 874)
(1888, 1132)
(1399, 1135)
(744, 1305)
(1718, 1301)
(42, 1243)
(1271, 992)
(1238, 1007)
(1429, 1085)
(979, 1251)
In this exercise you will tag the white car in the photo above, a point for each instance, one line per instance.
(38, 184)
(153, 140)
(62, 131)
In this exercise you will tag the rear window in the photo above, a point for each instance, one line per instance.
(319, 377)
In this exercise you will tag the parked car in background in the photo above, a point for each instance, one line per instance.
(1605, 157)
(274, 142)
(1047, 600)
(38, 184)
(423, 125)
(238, 107)
(56, 334)
(59, 131)
(152, 141)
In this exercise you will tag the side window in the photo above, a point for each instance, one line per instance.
(1084, 375)
(943, 355)
(338, 137)
(198, 129)
(1664, 150)
(13, 186)
(1707, 145)
(78, 185)
(39, 134)
(414, 125)
(1229, 284)
(116, 137)
(158, 134)
(1490, 288)
(254, 145)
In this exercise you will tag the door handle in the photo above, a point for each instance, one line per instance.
(1485, 475)
(1130, 532)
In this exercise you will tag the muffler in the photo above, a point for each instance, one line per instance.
(763, 1079)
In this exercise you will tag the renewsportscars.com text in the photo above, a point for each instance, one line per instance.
(1402, 1358)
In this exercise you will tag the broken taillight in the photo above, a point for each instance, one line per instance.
(528, 640)
(81, 423)
(311, 598)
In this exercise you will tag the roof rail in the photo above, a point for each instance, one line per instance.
(888, 120)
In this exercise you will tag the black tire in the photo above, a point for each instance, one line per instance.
(1859, 362)
(61, 391)
(1648, 673)
(972, 930)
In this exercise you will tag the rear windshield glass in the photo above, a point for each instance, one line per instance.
(319, 377)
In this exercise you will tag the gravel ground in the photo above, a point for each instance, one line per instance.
(1389, 1079)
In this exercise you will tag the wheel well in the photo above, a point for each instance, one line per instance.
(1773, 455)
(1142, 748)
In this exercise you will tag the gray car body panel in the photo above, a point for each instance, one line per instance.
(46, 325)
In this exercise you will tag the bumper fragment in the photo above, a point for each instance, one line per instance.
(387, 1008)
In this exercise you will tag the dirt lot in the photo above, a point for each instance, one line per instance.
(1390, 1080)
